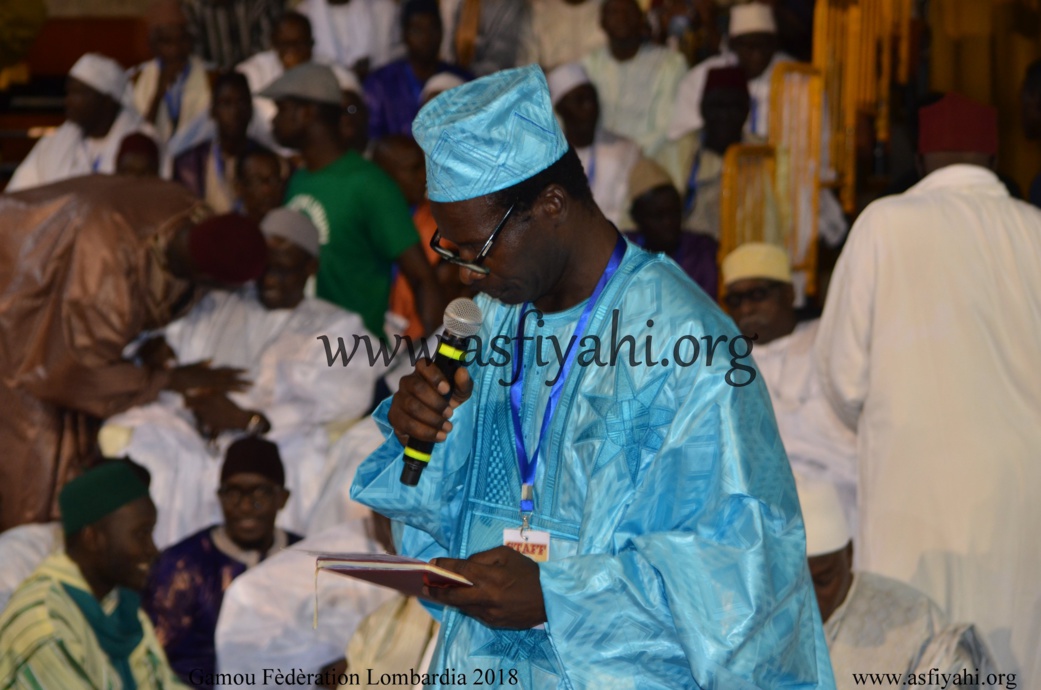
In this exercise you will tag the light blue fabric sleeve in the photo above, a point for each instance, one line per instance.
(429, 512)
(706, 580)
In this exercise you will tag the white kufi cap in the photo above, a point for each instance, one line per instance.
(826, 528)
(101, 74)
(565, 78)
(294, 226)
(753, 18)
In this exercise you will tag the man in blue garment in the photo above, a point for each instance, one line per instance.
(654, 495)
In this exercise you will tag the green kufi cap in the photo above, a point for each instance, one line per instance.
(488, 134)
(98, 492)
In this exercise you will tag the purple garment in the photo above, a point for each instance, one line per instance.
(696, 255)
(190, 167)
(183, 599)
(392, 94)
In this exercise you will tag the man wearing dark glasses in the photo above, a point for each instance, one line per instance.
(619, 519)
(759, 295)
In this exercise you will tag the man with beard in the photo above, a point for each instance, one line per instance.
(76, 622)
(759, 295)
(187, 586)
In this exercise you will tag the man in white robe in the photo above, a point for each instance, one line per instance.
(274, 332)
(875, 625)
(360, 35)
(758, 293)
(562, 31)
(96, 123)
(752, 45)
(928, 348)
(635, 79)
(607, 158)
(171, 90)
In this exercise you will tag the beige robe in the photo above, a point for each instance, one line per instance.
(81, 275)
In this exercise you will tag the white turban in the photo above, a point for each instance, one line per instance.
(101, 74)
(564, 79)
(826, 528)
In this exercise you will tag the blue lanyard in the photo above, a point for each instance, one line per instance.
(753, 111)
(692, 183)
(174, 96)
(528, 466)
(414, 85)
(591, 174)
(218, 158)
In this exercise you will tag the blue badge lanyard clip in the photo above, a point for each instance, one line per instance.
(174, 96)
(527, 466)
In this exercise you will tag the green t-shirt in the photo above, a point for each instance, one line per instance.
(364, 225)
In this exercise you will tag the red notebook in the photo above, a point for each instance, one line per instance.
(407, 575)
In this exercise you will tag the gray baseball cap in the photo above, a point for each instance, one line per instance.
(308, 82)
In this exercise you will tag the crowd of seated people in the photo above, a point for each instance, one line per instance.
(212, 250)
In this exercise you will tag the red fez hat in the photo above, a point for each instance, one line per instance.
(726, 78)
(228, 248)
(958, 123)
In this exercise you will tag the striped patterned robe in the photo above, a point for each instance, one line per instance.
(47, 644)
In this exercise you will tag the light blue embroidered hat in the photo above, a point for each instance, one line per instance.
(488, 134)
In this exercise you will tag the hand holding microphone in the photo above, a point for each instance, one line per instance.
(421, 408)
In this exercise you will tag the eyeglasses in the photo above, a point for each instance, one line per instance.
(756, 295)
(261, 495)
(475, 265)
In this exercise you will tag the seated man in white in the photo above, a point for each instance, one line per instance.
(96, 123)
(607, 158)
(758, 294)
(173, 88)
(875, 625)
(753, 45)
(273, 332)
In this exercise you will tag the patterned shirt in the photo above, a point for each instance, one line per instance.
(227, 32)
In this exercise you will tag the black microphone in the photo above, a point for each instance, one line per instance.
(462, 321)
